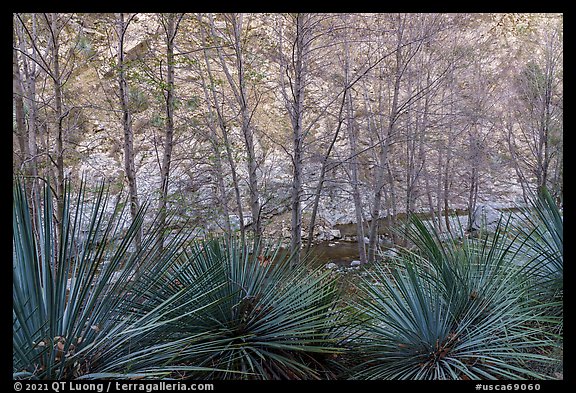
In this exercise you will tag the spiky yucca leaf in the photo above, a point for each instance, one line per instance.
(451, 310)
(77, 283)
(279, 321)
(539, 229)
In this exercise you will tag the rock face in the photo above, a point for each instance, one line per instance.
(484, 216)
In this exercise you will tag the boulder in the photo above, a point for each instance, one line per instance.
(331, 265)
(355, 263)
(484, 215)
(336, 234)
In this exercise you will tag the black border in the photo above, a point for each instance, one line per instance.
(366, 6)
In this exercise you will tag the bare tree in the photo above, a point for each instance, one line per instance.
(170, 23)
(240, 91)
(216, 119)
(539, 117)
(129, 166)
(20, 118)
(384, 136)
(352, 131)
(293, 93)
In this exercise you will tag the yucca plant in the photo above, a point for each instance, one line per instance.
(279, 322)
(453, 309)
(539, 230)
(82, 291)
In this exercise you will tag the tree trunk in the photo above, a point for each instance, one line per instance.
(383, 162)
(129, 167)
(170, 31)
(18, 97)
(297, 137)
(353, 141)
(247, 131)
(29, 91)
(474, 156)
(240, 93)
(215, 144)
(58, 116)
(322, 177)
(447, 182)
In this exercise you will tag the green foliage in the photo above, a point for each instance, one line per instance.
(82, 291)
(539, 246)
(158, 120)
(137, 99)
(89, 303)
(280, 322)
(192, 103)
(452, 310)
(84, 46)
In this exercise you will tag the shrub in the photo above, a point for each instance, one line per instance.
(455, 309)
(539, 248)
(82, 292)
(279, 322)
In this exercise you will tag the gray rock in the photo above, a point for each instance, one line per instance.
(390, 253)
(331, 265)
(335, 233)
(354, 263)
(485, 215)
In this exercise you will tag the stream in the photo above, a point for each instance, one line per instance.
(342, 252)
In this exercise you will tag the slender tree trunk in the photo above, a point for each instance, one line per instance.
(18, 97)
(247, 130)
(447, 182)
(297, 136)
(322, 177)
(546, 119)
(353, 140)
(524, 184)
(439, 183)
(239, 89)
(170, 28)
(383, 162)
(219, 168)
(29, 90)
(58, 116)
(227, 145)
(129, 166)
(422, 158)
(235, 182)
(473, 190)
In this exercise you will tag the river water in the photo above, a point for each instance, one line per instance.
(342, 252)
